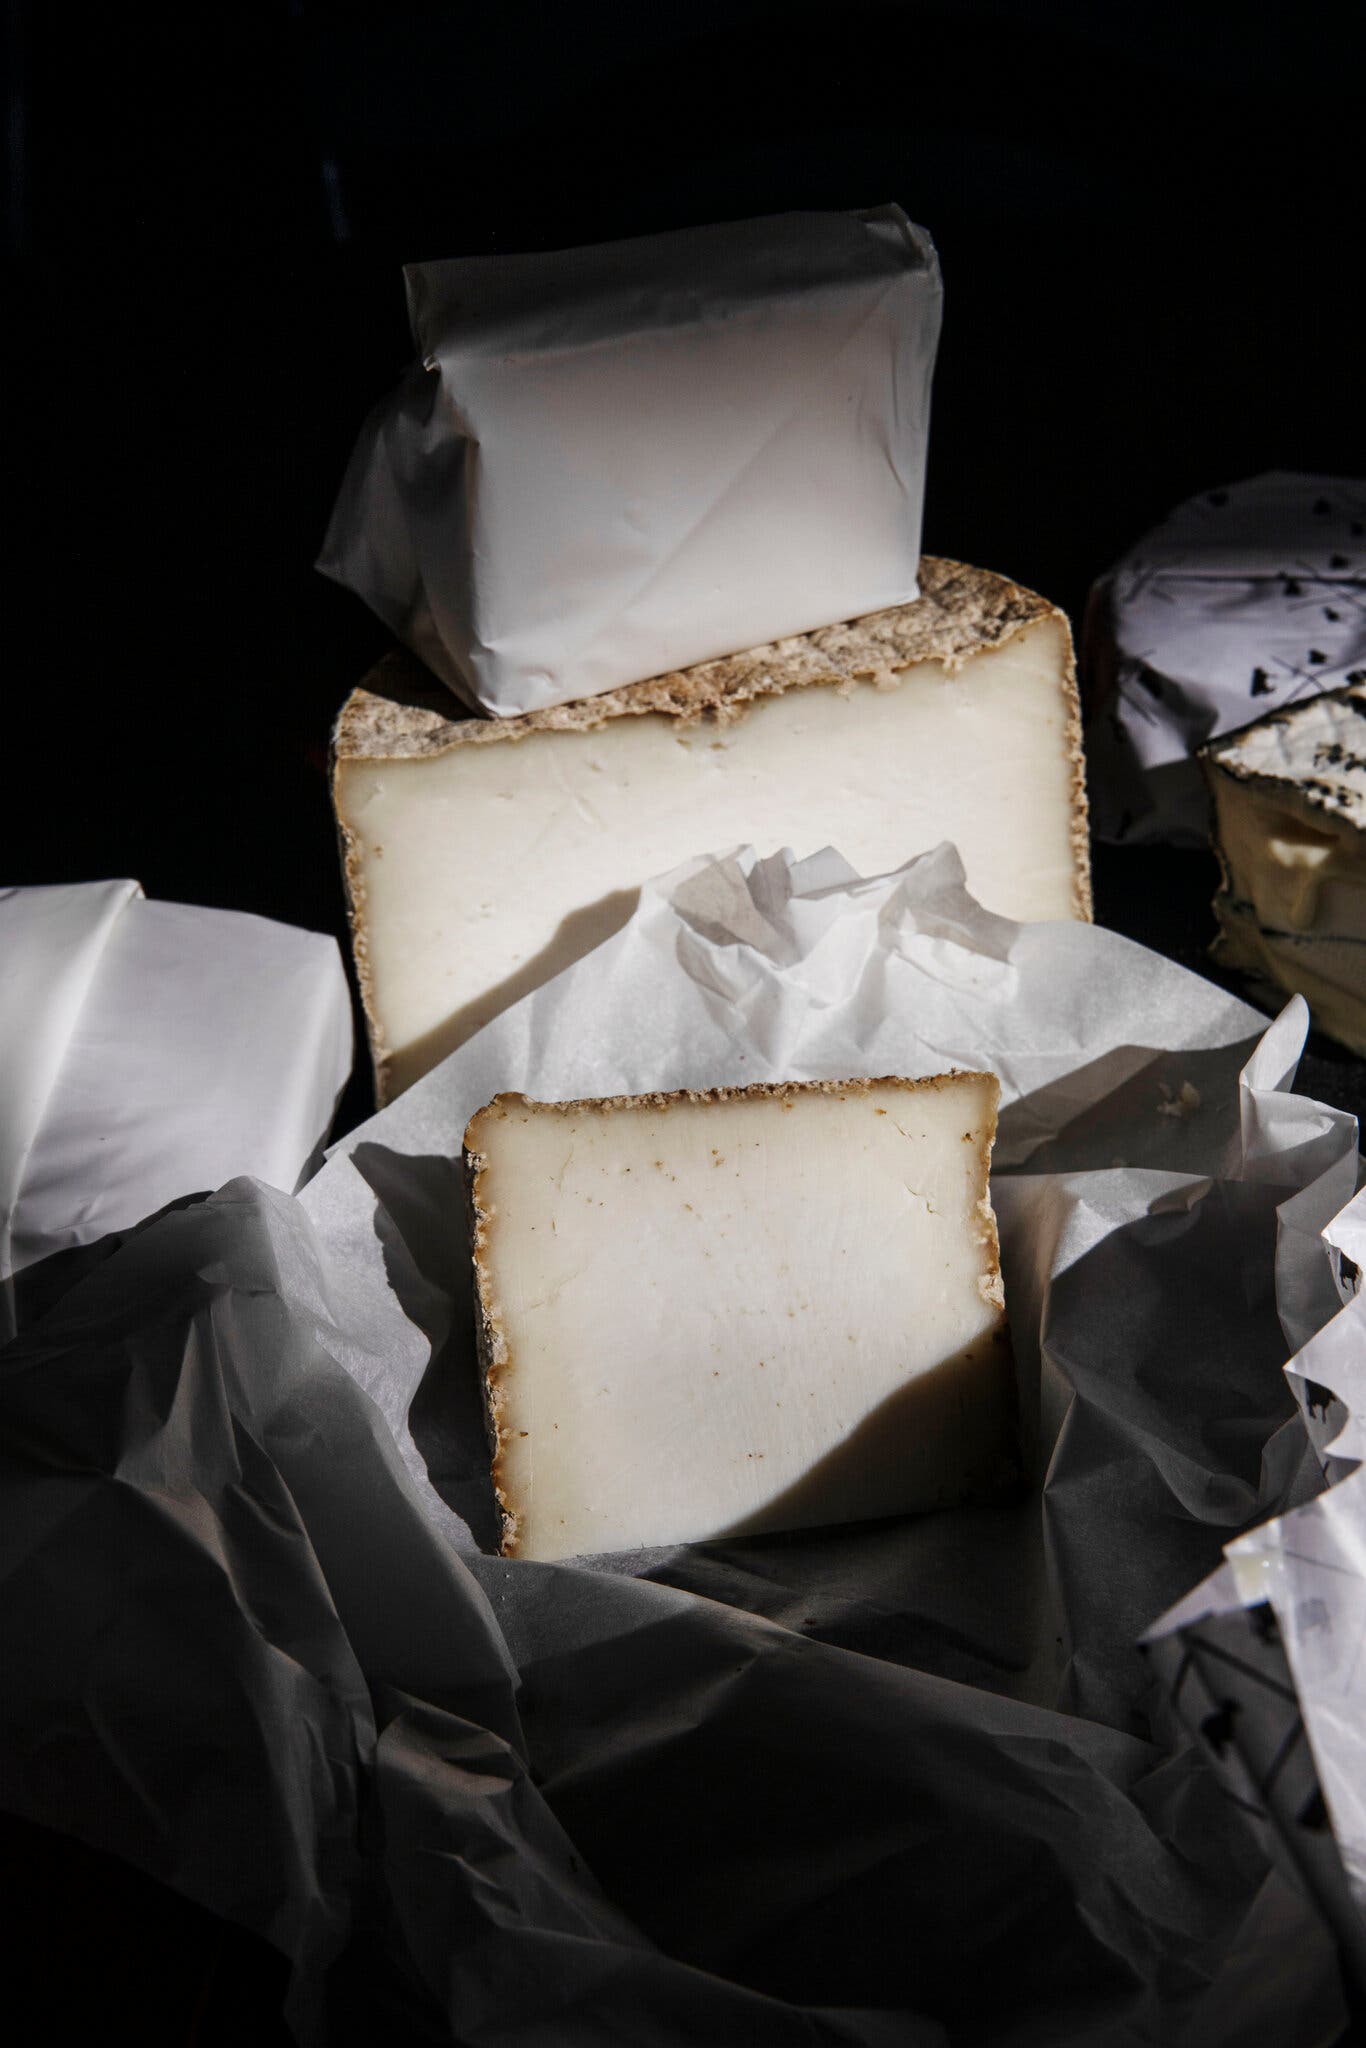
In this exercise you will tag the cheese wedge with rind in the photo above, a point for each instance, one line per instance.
(705, 1315)
(1289, 796)
(482, 856)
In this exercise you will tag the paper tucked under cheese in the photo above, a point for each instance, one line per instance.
(1290, 830)
(483, 856)
(765, 1308)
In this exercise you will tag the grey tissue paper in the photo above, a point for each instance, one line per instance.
(612, 462)
(907, 1783)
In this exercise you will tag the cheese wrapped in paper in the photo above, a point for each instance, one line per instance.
(615, 461)
(1290, 831)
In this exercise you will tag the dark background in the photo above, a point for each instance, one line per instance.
(1149, 220)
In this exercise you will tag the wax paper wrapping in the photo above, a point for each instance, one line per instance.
(1266, 1655)
(149, 1051)
(1244, 600)
(612, 462)
(909, 1782)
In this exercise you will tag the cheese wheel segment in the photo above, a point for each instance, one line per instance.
(705, 1315)
(1289, 797)
(482, 856)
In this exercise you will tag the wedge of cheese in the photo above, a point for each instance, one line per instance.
(762, 1308)
(1290, 832)
(482, 856)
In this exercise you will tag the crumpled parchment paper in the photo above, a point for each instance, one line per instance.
(910, 1782)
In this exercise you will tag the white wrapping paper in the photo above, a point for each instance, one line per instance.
(1244, 600)
(903, 1783)
(1285, 1695)
(742, 970)
(616, 461)
(151, 1051)
(1140, 1104)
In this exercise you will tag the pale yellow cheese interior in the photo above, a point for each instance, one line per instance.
(767, 1310)
(1290, 825)
(481, 871)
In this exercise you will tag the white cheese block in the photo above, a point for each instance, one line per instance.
(482, 856)
(761, 1308)
(1290, 831)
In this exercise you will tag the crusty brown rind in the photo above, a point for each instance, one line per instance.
(490, 1342)
(400, 712)
(1219, 761)
(495, 1360)
(753, 1091)
(353, 883)
(1221, 756)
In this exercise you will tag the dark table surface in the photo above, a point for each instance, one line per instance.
(1146, 218)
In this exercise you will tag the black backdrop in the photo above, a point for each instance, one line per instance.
(1149, 221)
(1147, 217)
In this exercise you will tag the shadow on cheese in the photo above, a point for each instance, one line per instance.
(574, 936)
(704, 1315)
(865, 1475)
(483, 855)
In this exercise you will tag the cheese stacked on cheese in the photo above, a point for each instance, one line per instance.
(766, 1308)
(1290, 831)
(482, 856)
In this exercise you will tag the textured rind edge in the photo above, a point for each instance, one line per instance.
(353, 884)
(665, 1098)
(495, 1360)
(1080, 831)
(1219, 756)
(490, 1341)
(1220, 766)
(400, 712)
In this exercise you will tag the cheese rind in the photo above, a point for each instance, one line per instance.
(1290, 832)
(702, 1315)
(483, 856)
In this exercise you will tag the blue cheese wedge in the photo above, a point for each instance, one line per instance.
(483, 855)
(703, 1315)
(1290, 832)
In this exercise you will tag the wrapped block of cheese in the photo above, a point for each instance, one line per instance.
(482, 856)
(1246, 599)
(701, 1315)
(1290, 831)
(615, 461)
(150, 1051)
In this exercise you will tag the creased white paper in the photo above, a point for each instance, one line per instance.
(901, 1782)
(1244, 600)
(1299, 1582)
(51, 941)
(736, 969)
(614, 462)
(151, 1051)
